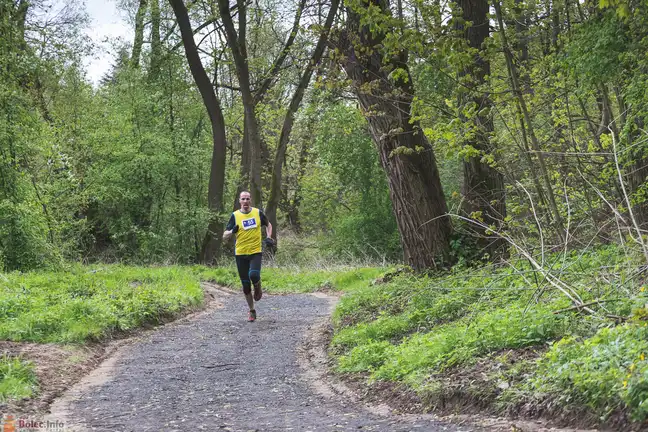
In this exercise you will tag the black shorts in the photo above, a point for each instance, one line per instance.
(247, 263)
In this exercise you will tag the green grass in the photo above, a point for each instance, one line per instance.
(413, 330)
(296, 280)
(17, 379)
(92, 303)
(85, 304)
(410, 329)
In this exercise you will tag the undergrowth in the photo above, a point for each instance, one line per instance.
(422, 331)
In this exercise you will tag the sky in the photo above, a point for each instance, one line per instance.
(106, 22)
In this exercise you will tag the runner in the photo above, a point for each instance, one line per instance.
(246, 223)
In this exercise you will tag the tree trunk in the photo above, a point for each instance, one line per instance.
(483, 186)
(139, 34)
(293, 216)
(555, 25)
(607, 122)
(289, 120)
(212, 242)
(405, 153)
(20, 18)
(638, 173)
(260, 94)
(246, 158)
(236, 44)
(156, 44)
(293, 204)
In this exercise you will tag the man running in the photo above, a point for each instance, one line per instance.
(246, 223)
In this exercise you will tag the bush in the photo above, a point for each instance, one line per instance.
(23, 231)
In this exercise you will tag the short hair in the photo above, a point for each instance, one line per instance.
(242, 192)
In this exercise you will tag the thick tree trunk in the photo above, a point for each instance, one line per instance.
(405, 153)
(483, 186)
(212, 242)
(289, 120)
(139, 34)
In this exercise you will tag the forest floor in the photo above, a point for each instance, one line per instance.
(212, 370)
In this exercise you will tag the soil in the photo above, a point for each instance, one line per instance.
(212, 370)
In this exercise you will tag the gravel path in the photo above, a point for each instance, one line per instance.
(219, 372)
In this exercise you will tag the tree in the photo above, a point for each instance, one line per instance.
(483, 186)
(237, 44)
(383, 86)
(212, 242)
(139, 34)
(289, 120)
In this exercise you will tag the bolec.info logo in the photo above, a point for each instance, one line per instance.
(12, 424)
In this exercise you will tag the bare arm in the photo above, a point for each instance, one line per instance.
(269, 229)
(233, 228)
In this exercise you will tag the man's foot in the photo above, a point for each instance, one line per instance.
(251, 316)
(257, 291)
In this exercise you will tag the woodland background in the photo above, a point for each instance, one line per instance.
(357, 127)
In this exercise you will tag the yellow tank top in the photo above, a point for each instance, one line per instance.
(248, 236)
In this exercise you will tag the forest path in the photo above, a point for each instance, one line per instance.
(216, 371)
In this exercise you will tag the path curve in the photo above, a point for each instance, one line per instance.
(219, 372)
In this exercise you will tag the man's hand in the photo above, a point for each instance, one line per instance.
(270, 244)
(228, 233)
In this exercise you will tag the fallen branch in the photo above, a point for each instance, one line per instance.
(617, 318)
(581, 306)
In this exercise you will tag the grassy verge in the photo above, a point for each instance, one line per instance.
(86, 304)
(503, 337)
(17, 379)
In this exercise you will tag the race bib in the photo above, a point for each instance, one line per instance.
(249, 224)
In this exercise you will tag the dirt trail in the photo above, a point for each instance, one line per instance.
(218, 372)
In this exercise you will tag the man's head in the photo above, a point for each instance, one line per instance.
(245, 200)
